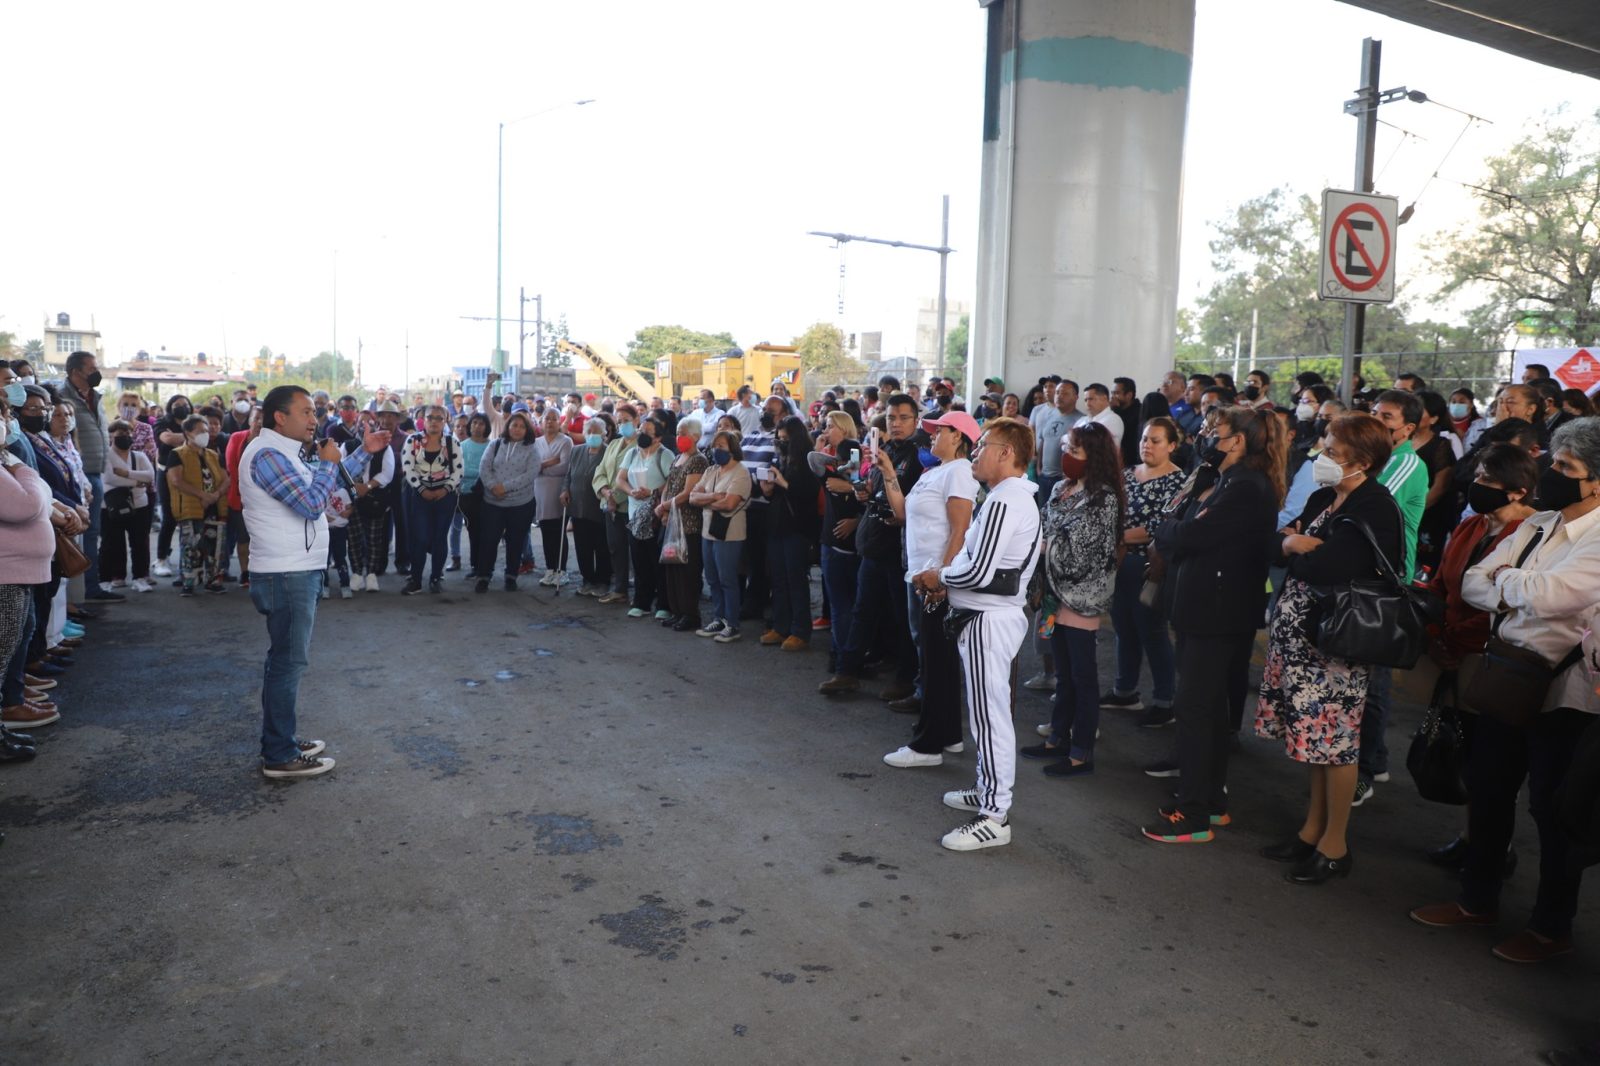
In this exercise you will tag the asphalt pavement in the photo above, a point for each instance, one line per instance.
(557, 835)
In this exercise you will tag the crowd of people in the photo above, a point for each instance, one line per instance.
(945, 536)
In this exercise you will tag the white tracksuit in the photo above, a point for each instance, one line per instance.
(1004, 536)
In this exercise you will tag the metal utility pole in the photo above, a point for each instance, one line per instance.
(538, 330)
(1365, 109)
(522, 328)
(943, 250)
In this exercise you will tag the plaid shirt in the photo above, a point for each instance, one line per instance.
(277, 474)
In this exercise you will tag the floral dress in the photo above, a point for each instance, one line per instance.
(1308, 700)
(683, 467)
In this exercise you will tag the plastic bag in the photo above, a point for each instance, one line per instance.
(674, 543)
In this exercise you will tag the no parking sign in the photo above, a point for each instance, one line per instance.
(1357, 251)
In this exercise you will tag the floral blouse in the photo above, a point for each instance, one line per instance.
(687, 464)
(1146, 501)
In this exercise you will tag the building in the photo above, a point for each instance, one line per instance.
(927, 346)
(165, 376)
(62, 338)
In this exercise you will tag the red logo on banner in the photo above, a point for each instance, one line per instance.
(1582, 371)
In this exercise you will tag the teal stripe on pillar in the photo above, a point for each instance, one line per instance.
(1101, 62)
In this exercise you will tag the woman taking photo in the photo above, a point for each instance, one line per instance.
(1082, 525)
(508, 471)
(431, 465)
(792, 530)
(681, 580)
(578, 499)
(1141, 631)
(1217, 544)
(554, 452)
(936, 516)
(130, 481)
(723, 491)
(1312, 701)
(1542, 585)
(640, 477)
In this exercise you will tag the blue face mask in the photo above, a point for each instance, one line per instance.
(594, 440)
(625, 429)
(720, 456)
(16, 395)
(928, 459)
(13, 434)
(1459, 410)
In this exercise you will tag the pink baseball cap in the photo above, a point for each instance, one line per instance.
(957, 420)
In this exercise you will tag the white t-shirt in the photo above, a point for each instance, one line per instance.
(928, 520)
(1112, 421)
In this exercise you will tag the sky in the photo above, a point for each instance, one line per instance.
(204, 177)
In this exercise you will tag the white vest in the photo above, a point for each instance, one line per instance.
(280, 540)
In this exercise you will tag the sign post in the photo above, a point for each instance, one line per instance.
(1357, 253)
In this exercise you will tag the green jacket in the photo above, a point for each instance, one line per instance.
(605, 475)
(1406, 478)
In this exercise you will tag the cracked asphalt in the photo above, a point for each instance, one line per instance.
(556, 835)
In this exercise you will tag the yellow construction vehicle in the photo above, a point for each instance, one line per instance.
(617, 374)
(684, 374)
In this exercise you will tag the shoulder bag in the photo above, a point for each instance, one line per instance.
(1510, 683)
(70, 559)
(1380, 621)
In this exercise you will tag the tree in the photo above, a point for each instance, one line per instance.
(1534, 253)
(326, 369)
(653, 342)
(33, 350)
(553, 356)
(822, 356)
(8, 341)
(955, 349)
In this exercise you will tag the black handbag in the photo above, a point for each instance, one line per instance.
(119, 501)
(1380, 621)
(1437, 760)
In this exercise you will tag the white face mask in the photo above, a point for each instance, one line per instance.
(201, 439)
(27, 380)
(1306, 412)
(241, 407)
(1326, 472)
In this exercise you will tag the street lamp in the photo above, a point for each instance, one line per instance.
(499, 207)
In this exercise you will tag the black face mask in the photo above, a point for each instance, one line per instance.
(92, 379)
(645, 440)
(31, 423)
(768, 422)
(1557, 491)
(1486, 498)
(122, 441)
(1210, 454)
(1319, 428)
(180, 412)
(1252, 392)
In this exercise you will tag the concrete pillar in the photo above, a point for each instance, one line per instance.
(1085, 103)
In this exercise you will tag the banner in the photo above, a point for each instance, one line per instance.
(1574, 368)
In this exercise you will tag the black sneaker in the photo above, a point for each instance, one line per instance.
(299, 766)
(511, 584)
(482, 585)
(1130, 702)
(413, 586)
(1172, 826)
(436, 585)
(1157, 718)
(1161, 768)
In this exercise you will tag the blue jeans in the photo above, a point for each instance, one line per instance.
(428, 526)
(289, 600)
(455, 535)
(789, 563)
(1141, 633)
(721, 558)
(1076, 714)
(839, 577)
(1047, 485)
(1374, 756)
(91, 537)
(880, 592)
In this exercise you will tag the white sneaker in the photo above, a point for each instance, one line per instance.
(905, 757)
(1041, 682)
(119, 583)
(1043, 729)
(549, 580)
(142, 585)
(326, 592)
(372, 583)
(965, 800)
(345, 593)
(954, 749)
(981, 832)
(161, 569)
(1382, 779)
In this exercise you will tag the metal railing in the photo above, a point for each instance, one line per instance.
(1480, 370)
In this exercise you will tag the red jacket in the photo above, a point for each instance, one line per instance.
(1466, 628)
(236, 443)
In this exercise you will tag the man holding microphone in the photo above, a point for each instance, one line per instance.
(285, 495)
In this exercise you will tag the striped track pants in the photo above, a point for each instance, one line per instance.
(988, 645)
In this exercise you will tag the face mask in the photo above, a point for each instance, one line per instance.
(1458, 411)
(1326, 472)
(93, 380)
(31, 423)
(1557, 491)
(180, 412)
(720, 456)
(929, 460)
(1306, 412)
(241, 407)
(130, 413)
(1252, 392)
(685, 444)
(123, 441)
(469, 407)
(767, 422)
(1486, 499)
(1210, 453)
(201, 439)
(1319, 428)
(1073, 467)
(626, 429)
(645, 440)
(594, 440)
(27, 379)
(16, 395)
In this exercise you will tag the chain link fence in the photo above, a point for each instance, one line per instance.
(1480, 370)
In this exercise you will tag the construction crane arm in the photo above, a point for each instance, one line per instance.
(621, 376)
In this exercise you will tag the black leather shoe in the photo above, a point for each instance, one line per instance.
(668, 623)
(17, 752)
(11, 736)
(685, 625)
(1292, 850)
(1319, 868)
(1451, 856)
